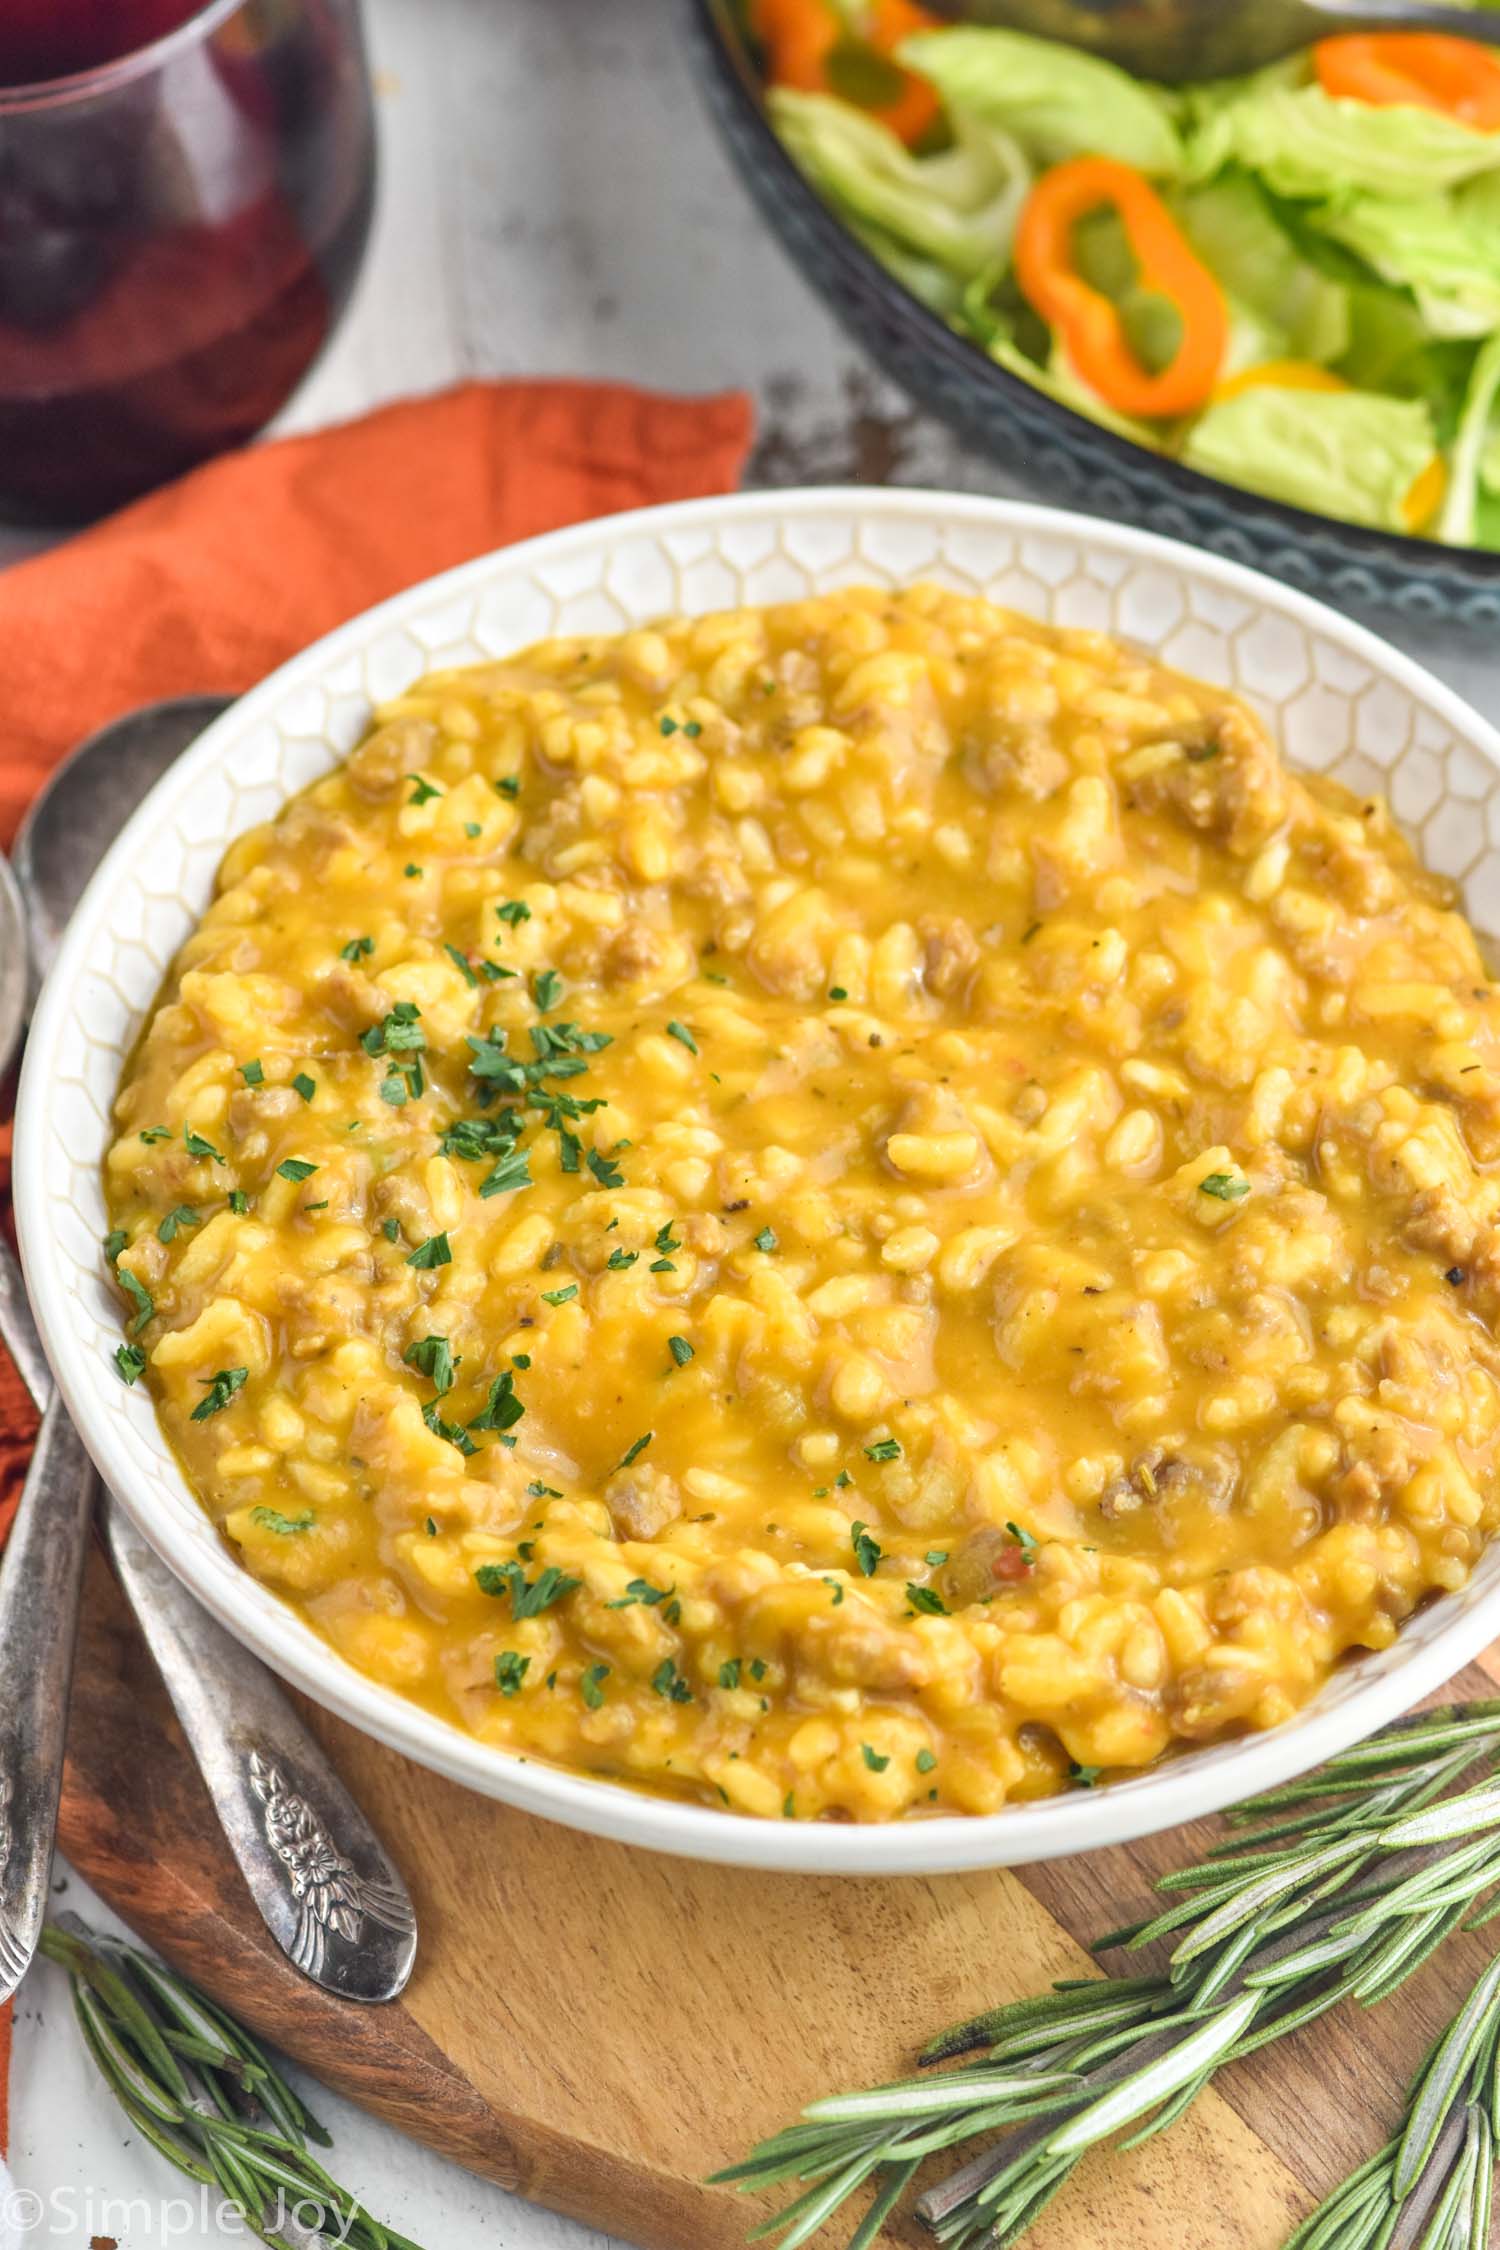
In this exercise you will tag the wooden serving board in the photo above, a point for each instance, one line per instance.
(598, 2028)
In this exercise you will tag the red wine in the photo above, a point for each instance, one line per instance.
(41, 39)
(175, 249)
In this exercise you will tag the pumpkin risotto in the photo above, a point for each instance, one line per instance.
(850, 1209)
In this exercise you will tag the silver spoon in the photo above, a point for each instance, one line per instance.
(320, 1877)
(1176, 40)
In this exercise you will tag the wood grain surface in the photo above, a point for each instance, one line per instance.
(598, 2028)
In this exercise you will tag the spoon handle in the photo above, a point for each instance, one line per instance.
(320, 1876)
(322, 1881)
(40, 1583)
(18, 1330)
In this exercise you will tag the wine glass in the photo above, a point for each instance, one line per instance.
(185, 197)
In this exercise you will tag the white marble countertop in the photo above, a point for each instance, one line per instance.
(553, 200)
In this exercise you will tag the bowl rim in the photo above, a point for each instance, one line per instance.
(1174, 1790)
(1419, 560)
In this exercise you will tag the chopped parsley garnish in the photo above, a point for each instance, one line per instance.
(620, 1259)
(451, 1433)
(680, 1032)
(873, 1759)
(114, 1243)
(435, 1251)
(472, 829)
(239, 1202)
(729, 1673)
(510, 1173)
(867, 1551)
(398, 1034)
(668, 1681)
(560, 1296)
(924, 1599)
(635, 1451)
(884, 1449)
(304, 1086)
(837, 992)
(1030, 932)
(789, 1805)
(680, 1348)
(692, 729)
(1084, 1776)
(196, 1145)
(591, 1686)
(547, 989)
(473, 1138)
(766, 1239)
(838, 1591)
(666, 724)
(509, 785)
(424, 791)
(1225, 1185)
(221, 1389)
(925, 1761)
(461, 963)
(510, 1670)
(431, 1528)
(171, 1225)
(130, 1362)
(253, 1073)
(356, 947)
(935, 1557)
(283, 1526)
(536, 1490)
(514, 910)
(295, 1168)
(411, 868)
(641, 1590)
(323, 1206)
(1026, 1543)
(502, 1409)
(156, 1133)
(842, 1481)
(431, 1357)
(606, 1173)
(391, 1229)
(139, 1296)
(757, 1668)
(527, 1598)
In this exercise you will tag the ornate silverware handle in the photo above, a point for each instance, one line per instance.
(18, 1330)
(325, 1886)
(322, 1881)
(40, 1582)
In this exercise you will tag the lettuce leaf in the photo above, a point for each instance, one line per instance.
(1427, 244)
(1057, 101)
(1457, 519)
(1058, 380)
(957, 209)
(1234, 229)
(1303, 143)
(1352, 454)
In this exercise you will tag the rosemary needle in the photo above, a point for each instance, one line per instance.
(1337, 1886)
(201, 2091)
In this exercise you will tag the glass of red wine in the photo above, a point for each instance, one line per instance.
(185, 195)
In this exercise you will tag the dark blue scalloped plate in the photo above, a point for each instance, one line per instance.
(1061, 453)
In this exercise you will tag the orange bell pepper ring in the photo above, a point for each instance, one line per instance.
(1087, 322)
(802, 37)
(1415, 70)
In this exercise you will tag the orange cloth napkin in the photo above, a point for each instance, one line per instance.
(212, 583)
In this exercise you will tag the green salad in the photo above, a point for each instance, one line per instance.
(1290, 281)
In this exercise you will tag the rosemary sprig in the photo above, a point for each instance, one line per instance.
(1338, 1886)
(1432, 2185)
(199, 2089)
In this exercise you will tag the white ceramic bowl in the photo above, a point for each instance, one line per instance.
(1340, 701)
